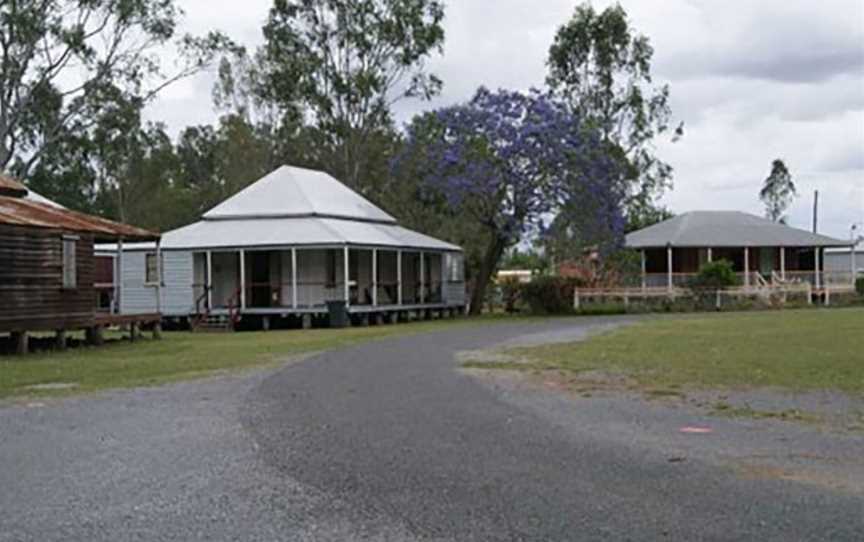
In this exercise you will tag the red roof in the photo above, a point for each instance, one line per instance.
(11, 187)
(23, 212)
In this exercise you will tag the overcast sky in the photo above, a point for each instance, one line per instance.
(752, 81)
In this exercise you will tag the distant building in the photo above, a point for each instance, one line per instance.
(675, 250)
(523, 276)
(841, 259)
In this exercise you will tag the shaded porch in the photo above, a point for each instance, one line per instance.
(674, 267)
(305, 279)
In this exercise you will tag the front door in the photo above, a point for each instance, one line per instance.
(260, 275)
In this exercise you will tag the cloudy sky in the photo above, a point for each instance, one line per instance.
(752, 81)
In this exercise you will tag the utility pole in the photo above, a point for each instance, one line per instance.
(816, 211)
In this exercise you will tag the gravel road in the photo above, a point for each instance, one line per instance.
(391, 441)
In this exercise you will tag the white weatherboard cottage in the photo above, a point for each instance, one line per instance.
(288, 244)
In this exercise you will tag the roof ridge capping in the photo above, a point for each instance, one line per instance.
(722, 228)
(294, 192)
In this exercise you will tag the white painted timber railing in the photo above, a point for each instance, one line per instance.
(768, 292)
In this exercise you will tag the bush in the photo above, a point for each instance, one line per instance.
(714, 276)
(511, 290)
(859, 286)
(550, 295)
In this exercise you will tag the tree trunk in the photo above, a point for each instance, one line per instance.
(493, 254)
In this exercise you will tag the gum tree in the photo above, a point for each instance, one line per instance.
(343, 64)
(507, 161)
(63, 62)
(778, 192)
(601, 66)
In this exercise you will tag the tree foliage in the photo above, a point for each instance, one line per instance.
(505, 161)
(344, 63)
(63, 62)
(777, 192)
(602, 67)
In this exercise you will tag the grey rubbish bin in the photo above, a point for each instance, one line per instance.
(338, 313)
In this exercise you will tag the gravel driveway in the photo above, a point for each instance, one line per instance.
(390, 441)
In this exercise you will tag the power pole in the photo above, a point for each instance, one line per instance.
(816, 211)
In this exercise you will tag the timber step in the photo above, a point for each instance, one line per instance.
(214, 323)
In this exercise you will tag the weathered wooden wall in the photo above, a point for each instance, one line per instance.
(32, 296)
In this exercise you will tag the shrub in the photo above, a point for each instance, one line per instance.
(511, 290)
(715, 276)
(550, 295)
(859, 286)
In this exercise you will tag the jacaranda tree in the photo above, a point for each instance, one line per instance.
(509, 161)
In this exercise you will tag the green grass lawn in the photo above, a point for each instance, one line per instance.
(177, 356)
(798, 350)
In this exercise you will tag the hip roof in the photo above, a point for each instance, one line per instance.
(725, 229)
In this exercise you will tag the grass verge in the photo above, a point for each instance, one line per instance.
(178, 356)
(795, 350)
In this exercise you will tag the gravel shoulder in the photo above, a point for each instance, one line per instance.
(166, 463)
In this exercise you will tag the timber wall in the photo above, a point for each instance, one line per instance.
(32, 296)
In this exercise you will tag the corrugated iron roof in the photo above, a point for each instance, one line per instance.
(11, 187)
(725, 229)
(17, 211)
(298, 192)
(275, 232)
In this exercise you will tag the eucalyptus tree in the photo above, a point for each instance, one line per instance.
(602, 67)
(62, 63)
(778, 191)
(344, 64)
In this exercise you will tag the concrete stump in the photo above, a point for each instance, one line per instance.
(265, 323)
(379, 319)
(306, 321)
(157, 330)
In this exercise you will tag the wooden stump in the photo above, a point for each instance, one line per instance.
(134, 332)
(95, 337)
(22, 342)
(60, 339)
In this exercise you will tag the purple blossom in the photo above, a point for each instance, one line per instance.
(511, 160)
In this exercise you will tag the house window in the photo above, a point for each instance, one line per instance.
(70, 266)
(151, 272)
(455, 268)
